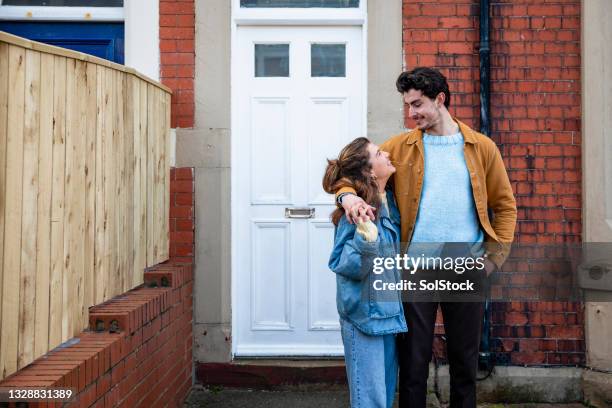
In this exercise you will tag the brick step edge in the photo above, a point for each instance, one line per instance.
(165, 285)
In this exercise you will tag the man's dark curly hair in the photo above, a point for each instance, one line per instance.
(430, 81)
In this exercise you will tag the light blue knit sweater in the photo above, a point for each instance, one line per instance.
(447, 212)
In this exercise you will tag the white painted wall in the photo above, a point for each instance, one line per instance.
(596, 159)
(142, 36)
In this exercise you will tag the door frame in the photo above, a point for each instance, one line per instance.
(141, 25)
(279, 17)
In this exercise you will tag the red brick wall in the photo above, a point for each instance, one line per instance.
(444, 35)
(182, 217)
(535, 112)
(177, 54)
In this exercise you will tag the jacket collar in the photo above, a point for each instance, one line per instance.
(468, 134)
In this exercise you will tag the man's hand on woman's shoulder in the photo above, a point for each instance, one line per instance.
(356, 209)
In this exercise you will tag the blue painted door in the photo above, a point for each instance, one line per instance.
(104, 40)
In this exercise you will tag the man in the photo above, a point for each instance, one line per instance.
(448, 179)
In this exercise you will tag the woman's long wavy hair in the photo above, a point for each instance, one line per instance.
(352, 168)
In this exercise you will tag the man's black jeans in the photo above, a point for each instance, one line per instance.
(462, 326)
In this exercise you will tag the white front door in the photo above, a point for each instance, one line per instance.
(299, 99)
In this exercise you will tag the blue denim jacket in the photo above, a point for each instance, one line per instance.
(352, 261)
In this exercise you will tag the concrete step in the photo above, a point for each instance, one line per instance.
(219, 397)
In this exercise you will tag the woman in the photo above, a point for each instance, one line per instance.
(368, 320)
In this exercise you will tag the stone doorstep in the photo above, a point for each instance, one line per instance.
(295, 362)
(272, 373)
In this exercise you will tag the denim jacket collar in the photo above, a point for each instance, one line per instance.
(393, 213)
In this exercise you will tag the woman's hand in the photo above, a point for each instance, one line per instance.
(357, 209)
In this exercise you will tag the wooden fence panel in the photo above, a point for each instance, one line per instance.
(29, 206)
(90, 187)
(140, 226)
(4, 87)
(45, 183)
(56, 294)
(84, 190)
(12, 211)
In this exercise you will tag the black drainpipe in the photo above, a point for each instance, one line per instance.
(485, 69)
(485, 360)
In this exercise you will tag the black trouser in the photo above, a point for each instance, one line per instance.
(462, 326)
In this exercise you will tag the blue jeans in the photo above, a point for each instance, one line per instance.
(371, 367)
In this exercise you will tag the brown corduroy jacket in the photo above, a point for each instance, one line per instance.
(490, 186)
